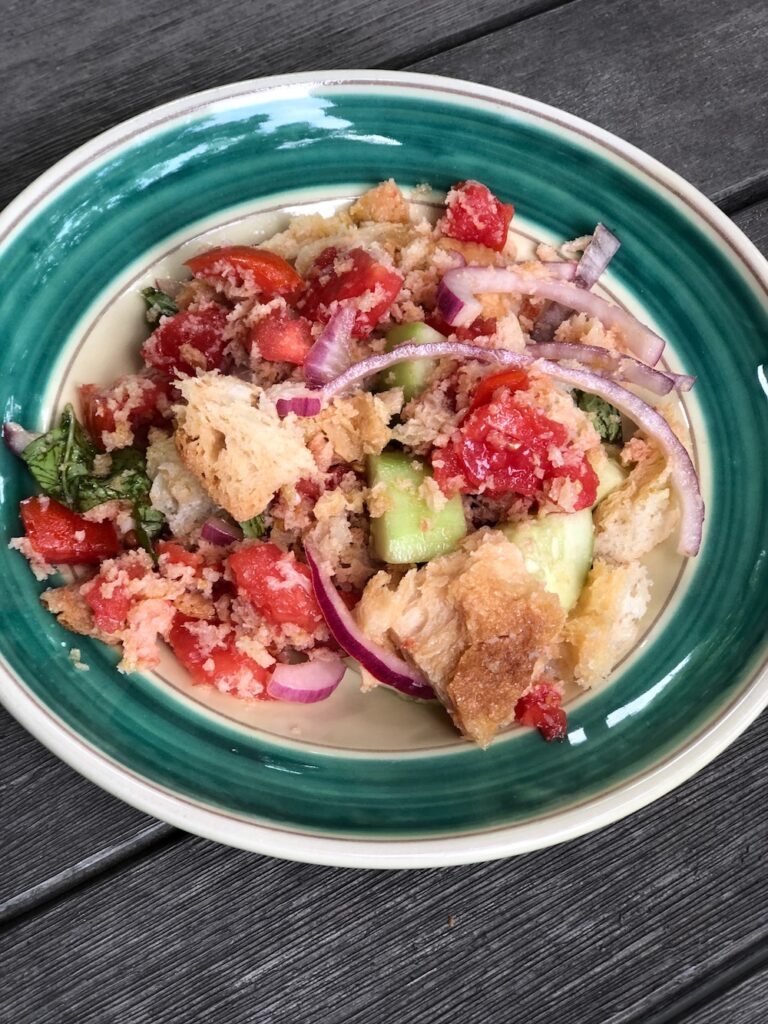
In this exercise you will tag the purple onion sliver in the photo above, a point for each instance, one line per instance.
(301, 405)
(219, 531)
(601, 249)
(331, 354)
(384, 666)
(17, 438)
(308, 682)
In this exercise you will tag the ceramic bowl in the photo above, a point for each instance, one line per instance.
(375, 781)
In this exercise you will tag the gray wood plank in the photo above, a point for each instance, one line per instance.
(599, 931)
(53, 820)
(683, 79)
(744, 1004)
(72, 70)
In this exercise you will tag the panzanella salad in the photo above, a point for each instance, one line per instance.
(375, 437)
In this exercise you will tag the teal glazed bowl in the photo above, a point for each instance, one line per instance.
(385, 783)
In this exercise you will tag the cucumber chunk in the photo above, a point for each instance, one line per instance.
(414, 375)
(410, 531)
(610, 476)
(557, 550)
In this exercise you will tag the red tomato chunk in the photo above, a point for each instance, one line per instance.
(481, 327)
(188, 341)
(350, 275)
(278, 587)
(282, 338)
(109, 600)
(140, 402)
(540, 709)
(507, 447)
(223, 666)
(63, 537)
(474, 214)
(242, 265)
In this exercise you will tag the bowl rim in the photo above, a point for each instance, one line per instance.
(273, 840)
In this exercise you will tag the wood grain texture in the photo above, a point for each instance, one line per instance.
(53, 819)
(601, 930)
(682, 79)
(74, 69)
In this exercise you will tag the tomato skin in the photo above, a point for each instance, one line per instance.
(540, 709)
(271, 274)
(505, 447)
(174, 553)
(147, 399)
(223, 667)
(362, 276)
(111, 602)
(51, 529)
(278, 587)
(474, 214)
(512, 380)
(200, 330)
(481, 327)
(282, 338)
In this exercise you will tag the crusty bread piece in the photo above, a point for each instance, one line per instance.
(638, 515)
(605, 623)
(240, 451)
(474, 622)
(355, 427)
(383, 204)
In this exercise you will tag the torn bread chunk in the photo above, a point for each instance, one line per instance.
(237, 446)
(475, 622)
(640, 513)
(606, 621)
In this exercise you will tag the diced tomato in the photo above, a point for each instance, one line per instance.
(145, 401)
(474, 214)
(507, 447)
(540, 709)
(244, 265)
(481, 327)
(110, 601)
(282, 338)
(188, 341)
(278, 587)
(350, 275)
(175, 553)
(512, 380)
(64, 537)
(224, 666)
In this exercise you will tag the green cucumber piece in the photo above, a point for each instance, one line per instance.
(410, 531)
(610, 476)
(414, 375)
(557, 550)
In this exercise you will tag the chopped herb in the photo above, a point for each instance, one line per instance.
(62, 463)
(158, 304)
(606, 419)
(61, 458)
(253, 527)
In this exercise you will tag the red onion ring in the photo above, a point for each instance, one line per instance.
(301, 405)
(308, 682)
(458, 306)
(17, 438)
(616, 364)
(219, 531)
(384, 666)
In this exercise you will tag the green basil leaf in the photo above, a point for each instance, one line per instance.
(605, 417)
(158, 304)
(61, 458)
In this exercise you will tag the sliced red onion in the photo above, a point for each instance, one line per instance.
(307, 682)
(430, 350)
(170, 285)
(600, 251)
(384, 666)
(17, 438)
(683, 473)
(219, 531)
(564, 270)
(301, 405)
(458, 306)
(616, 364)
(331, 354)
(602, 247)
